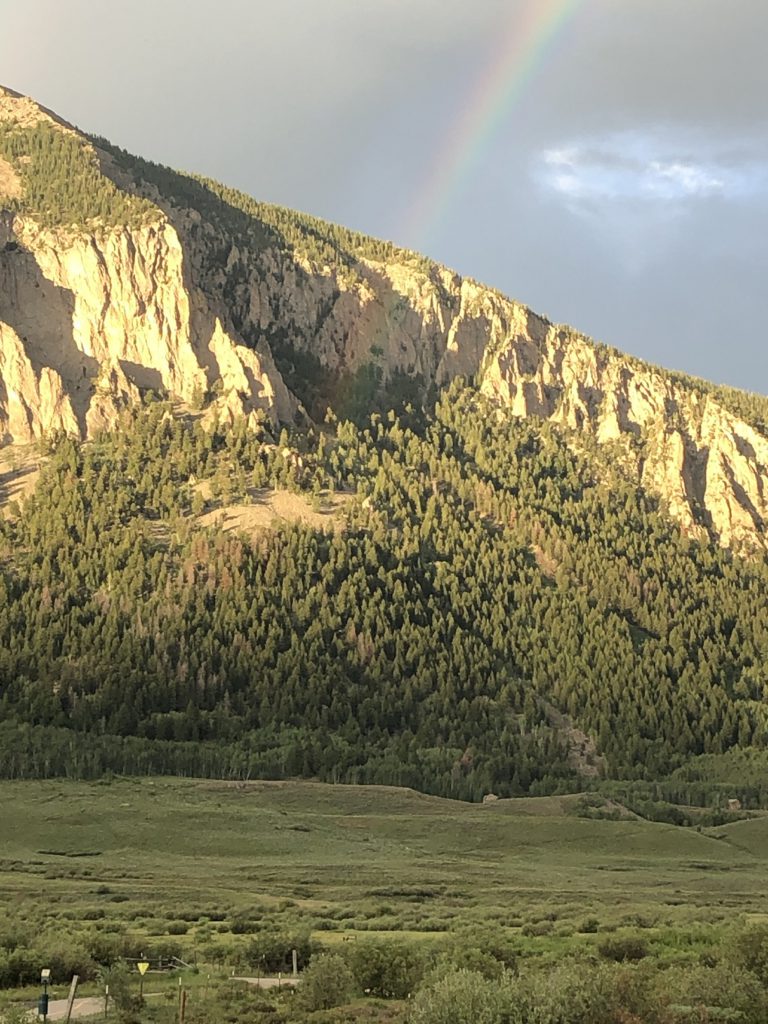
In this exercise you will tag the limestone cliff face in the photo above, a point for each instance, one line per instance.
(92, 316)
(87, 319)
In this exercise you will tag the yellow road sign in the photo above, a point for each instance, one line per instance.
(143, 967)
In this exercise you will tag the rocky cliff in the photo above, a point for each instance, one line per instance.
(201, 293)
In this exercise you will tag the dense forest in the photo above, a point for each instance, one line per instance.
(486, 589)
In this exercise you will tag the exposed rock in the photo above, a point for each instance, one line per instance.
(27, 112)
(10, 186)
(72, 305)
(112, 393)
(91, 318)
(707, 466)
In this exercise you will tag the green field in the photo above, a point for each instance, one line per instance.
(211, 863)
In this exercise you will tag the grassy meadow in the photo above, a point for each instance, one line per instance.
(198, 868)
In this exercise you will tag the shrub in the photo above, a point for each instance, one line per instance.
(391, 970)
(463, 997)
(244, 926)
(472, 959)
(14, 937)
(272, 951)
(473, 947)
(327, 982)
(22, 966)
(624, 948)
(538, 929)
(749, 949)
(122, 988)
(589, 926)
(723, 992)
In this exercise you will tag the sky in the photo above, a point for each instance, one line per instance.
(603, 161)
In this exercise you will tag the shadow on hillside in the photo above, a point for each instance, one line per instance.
(144, 377)
(15, 483)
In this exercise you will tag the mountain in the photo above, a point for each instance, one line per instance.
(342, 512)
(118, 276)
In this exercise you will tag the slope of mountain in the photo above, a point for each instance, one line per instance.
(537, 574)
(118, 276)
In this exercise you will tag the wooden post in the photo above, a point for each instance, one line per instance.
(295, 962)
(182, 1006)
(71, 997)
(106, 1000)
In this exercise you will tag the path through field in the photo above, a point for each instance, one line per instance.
(92, 1006)
(268, 982)
(88, 1006)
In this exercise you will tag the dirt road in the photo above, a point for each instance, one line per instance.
(268, 982)
(92, 1006)
(88, 1006)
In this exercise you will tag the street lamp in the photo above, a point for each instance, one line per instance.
(42, 1006)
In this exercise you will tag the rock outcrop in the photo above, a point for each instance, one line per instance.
(93, 315)
(707, 465)
(73, 305)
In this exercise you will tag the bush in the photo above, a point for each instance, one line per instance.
(390, 970)
(589, 926)
(723, 992)
(584, 994)
(624, 948)
(483, 949)
(272, 951)
(749, 949)
(122, 989)
(14, 937)
(327, 982)
(22, 966)
(244, 926)
(538, 929)
(463, 997)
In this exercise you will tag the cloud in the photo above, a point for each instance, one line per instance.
(648, 168)
(638, 194)
(677, 179)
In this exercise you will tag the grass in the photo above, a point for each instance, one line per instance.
(203, 866)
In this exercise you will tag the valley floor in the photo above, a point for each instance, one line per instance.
(207, 863)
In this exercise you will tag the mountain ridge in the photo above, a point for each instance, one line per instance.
(244, 310)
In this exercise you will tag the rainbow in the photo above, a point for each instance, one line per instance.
(531, 34)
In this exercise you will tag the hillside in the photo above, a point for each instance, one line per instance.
(118, 276)
(515, 560)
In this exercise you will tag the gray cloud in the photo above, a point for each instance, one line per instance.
(653, 167)
(633, 189)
